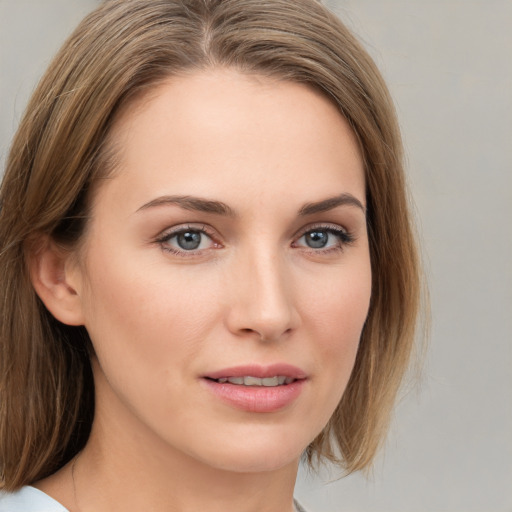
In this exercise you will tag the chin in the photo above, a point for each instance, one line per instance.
(254, 452)
(256, 462)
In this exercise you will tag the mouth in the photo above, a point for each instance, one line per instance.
(249, 380)
(255, 388)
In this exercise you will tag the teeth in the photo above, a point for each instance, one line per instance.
(278, 380)
(252, 381)
(270, 381)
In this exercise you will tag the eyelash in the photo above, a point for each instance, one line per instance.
(345, 238)
(164, 239)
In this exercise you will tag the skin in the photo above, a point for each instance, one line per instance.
(254, 292)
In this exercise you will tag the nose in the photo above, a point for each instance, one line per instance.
(262, 299)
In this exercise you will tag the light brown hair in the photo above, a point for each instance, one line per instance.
(62, 150)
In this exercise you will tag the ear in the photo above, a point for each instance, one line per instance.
(55, 276)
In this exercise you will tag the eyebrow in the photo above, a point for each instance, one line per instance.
(331, 203)
(191, 203)
(218, 207)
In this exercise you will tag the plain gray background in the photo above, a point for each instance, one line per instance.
(449, 67)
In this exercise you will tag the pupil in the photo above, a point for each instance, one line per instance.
(189, 240)
(316, 239)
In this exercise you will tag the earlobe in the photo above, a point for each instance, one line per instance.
(55, 281)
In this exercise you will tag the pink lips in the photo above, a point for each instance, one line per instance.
(257, 398)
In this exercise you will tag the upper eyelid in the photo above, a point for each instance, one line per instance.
(180, 228)
(320, 225)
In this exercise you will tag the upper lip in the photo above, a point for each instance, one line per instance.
(260, 371)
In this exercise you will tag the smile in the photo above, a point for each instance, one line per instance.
(278, 380)
(256, 388)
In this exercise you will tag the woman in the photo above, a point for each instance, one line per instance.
(207, 266)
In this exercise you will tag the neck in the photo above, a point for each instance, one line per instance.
(107, 480)
(101, 480)
(166, 480)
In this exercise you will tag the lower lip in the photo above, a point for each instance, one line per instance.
(256, 398)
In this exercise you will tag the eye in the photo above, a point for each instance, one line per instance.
(324, 238)
(186, 239)
(317, 239)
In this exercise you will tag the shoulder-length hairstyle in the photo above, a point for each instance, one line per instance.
(62, 150)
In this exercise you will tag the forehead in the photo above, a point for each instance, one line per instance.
(221, 132)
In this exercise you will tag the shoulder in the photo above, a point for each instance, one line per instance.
(28, 499)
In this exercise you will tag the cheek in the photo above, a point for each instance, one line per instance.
(336, 316)
(340, 307)
(149, 323)
(143, 315)
(145, 330)
(137, 285)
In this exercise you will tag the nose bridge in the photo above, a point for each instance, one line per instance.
(263, 301)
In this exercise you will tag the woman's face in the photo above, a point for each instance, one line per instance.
(231, 243)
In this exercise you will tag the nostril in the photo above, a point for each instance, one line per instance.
(264, 335)
(261, 335)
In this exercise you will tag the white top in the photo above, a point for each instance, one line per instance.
(30, 499)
